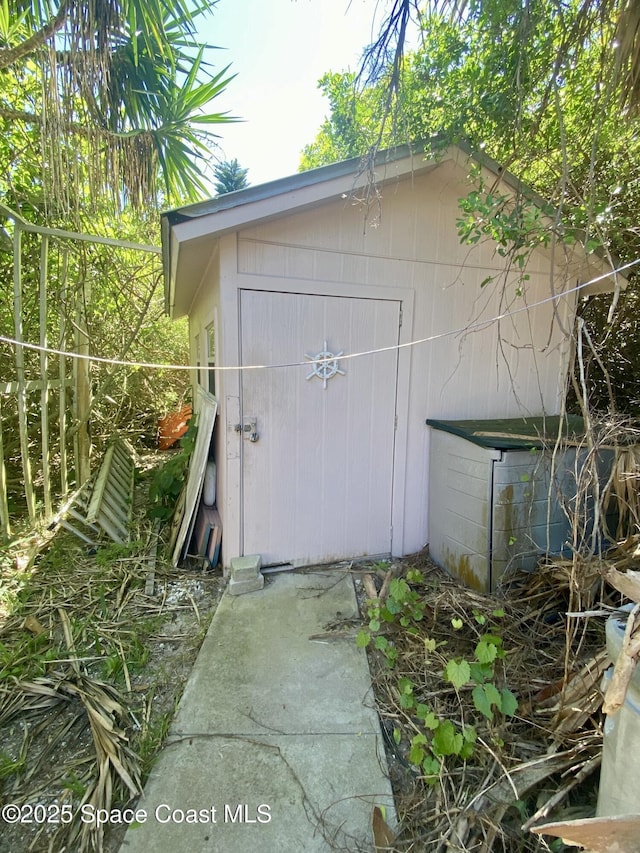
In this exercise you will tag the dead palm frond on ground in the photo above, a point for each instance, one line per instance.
(95, 650)
(102, 708)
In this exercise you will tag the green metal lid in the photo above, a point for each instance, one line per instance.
(515, 433)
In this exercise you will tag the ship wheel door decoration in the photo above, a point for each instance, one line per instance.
(325, 364)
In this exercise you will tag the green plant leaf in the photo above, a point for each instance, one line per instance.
(486, 652)
(415, 576)
(466, 751)
(457, 673)
(429, 719)
(417, 751)
(482, 699)
(431, 765)
(416, 755)
(508, 702)
(446, 740)
(393, 606)
(456, 624)
(481, 672)
(470, 734)
(494, 694)
(399, 589)
(362, 638)
(407, 701)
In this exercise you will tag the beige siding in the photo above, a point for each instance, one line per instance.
(408, 249)
(317, 484)
(459, 511)
(500, 370)
(206, 309)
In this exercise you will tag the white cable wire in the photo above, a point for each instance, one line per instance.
(210, 368)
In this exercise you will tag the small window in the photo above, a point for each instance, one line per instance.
(211, 358)
(196, 347)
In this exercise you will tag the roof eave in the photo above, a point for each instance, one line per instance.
(214, 217)
(228, 213)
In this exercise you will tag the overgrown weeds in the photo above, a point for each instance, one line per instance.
(487, 733)
(91, 669)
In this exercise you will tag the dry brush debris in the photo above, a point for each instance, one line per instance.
(91, 669)
(541, 761)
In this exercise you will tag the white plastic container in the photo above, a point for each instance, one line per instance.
(619, 792)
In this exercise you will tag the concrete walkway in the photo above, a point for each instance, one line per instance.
(276, 745)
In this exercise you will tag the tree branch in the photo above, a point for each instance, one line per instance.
(10, 55)
(73, 127)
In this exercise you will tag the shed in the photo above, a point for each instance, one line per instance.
(338, 319)
(500, 492)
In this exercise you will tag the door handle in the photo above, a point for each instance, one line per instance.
(250, 426)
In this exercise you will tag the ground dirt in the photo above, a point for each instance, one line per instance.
(96, 646)
(143, 647)
(54, 750)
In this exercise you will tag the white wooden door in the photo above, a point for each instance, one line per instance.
(317, 482)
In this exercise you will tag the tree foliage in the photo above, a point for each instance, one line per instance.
(109, 93)
(548, 91)
(229, 177)
(105, 115)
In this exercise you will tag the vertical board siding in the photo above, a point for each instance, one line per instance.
(460, 492)
(528, 518)
(508, 369)
(466, 374)
(317, 483)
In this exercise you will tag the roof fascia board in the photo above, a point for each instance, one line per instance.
(168, 266)
(171, 257)
(290, 195)
(252, 205)
(353, 166)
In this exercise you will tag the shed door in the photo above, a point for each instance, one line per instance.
(317, 482)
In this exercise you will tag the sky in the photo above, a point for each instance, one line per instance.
(279, 49)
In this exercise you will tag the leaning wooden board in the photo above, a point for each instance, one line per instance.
(207, 408)
(103, 505)
(207, 535)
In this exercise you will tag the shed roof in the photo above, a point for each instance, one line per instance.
(187, 232)
(515, 433)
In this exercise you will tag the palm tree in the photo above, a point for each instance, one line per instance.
(124, 87)
(230, 176)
